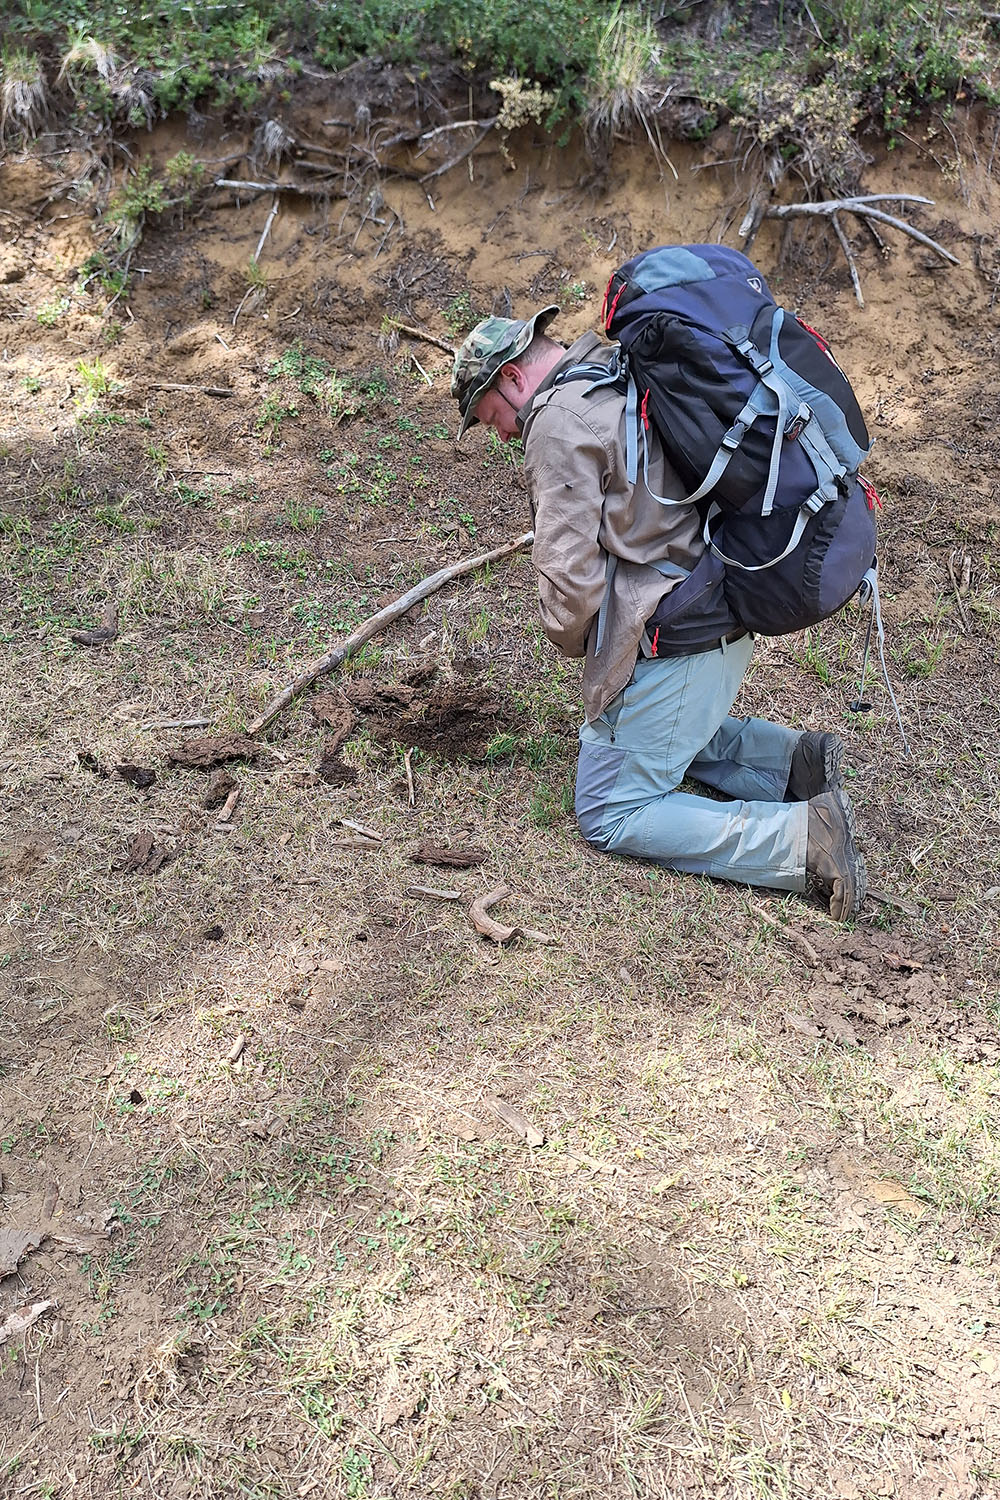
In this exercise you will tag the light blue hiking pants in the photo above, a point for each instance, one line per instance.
(672, 721)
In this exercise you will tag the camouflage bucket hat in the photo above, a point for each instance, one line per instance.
(491, 345)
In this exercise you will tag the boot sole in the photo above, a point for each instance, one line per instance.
(830, 779)
(857, 865)
(832, 757)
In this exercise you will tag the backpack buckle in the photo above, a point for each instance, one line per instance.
(799, 422)
(735, 435)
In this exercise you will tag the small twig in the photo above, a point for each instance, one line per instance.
(798, 938)
(229, 806)
(886, 898)
(432, 893)
(367, 833)
(418, 333)
(848, 256)
(236, 1050)
(206, 390)
(457, 160)
(378, 621)
(267, 227)
(958, 597)
(251, 291)
(429, 135)
(305, 189)
(408, 763)
(175, 724)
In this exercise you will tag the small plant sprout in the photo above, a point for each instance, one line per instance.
(96, 381)
(257, 276)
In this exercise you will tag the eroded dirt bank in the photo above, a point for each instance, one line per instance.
(327, 1194)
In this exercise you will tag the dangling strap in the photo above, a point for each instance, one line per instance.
(633, 426)
(602, 614)
(757, 406)
(791, 410)
(869, 590)
(806, 512)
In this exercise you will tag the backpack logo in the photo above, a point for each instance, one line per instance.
(756, 283)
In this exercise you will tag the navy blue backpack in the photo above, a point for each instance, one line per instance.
(759, 422)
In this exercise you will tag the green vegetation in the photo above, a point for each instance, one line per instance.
(796, 82)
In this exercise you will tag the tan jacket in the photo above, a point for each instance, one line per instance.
(584, 511)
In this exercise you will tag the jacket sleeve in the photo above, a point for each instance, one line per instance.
(567, 468)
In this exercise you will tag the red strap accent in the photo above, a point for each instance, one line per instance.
(611, 309)
(871, 493)
(643, 411)
(607, 294)
(656, 637)
(821, 341)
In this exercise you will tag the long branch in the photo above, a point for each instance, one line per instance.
(862, 207)
(378, 621)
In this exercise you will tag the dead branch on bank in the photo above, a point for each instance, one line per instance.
(454, 161)
(418, 333)
(304, 189)
(863, 208)
(378, 621)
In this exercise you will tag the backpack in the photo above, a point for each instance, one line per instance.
(760, 423)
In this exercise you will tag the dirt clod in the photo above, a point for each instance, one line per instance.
(101, 635)
(220, 784)
(141, 777)
(453, 719)
(333, 710)
(145, 857)
(208, 750)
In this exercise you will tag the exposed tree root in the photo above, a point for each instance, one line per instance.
(863, 208)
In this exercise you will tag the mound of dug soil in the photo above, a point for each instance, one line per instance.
(452, 717)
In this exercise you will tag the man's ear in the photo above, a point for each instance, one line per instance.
(516, 374)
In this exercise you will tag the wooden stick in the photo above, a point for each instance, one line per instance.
(429, 135)
(305, 189)
(225, 813)
(377, 622)
(798, 938)
(958, 597)
(842, 237)
(267, 228)
(206, 390)
(432, 892)
(496, 931)
(366, 833)
(862, 207)
(456, 160)
(175, 724)
(418, 333)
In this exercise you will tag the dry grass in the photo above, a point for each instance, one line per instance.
(23, 94)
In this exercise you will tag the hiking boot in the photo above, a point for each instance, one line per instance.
(815, 766)
(832, 859)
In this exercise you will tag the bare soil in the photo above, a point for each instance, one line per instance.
(326, 1194)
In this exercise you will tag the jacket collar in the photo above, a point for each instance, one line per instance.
(584, 348)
